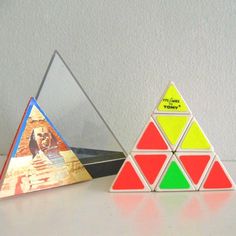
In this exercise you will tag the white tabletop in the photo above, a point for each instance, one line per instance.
(89, 209)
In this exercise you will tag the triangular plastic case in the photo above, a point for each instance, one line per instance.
(75, 114)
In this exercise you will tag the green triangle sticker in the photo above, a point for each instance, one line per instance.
(172, 126)
(195, 139)
(172, 101)
(174, 178)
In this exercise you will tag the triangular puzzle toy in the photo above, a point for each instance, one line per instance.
(172, 153)
(39, 158)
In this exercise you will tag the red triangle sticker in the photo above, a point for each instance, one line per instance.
(217, 178)
(128, 179)
(152, 139)
(150, 165)
(195, 165)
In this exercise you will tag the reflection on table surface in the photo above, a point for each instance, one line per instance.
(152, 210)
(89, 209)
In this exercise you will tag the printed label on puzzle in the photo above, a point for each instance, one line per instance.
(172, 101)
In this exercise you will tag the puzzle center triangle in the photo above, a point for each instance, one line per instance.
(174, 178)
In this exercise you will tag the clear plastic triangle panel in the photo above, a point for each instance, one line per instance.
(78, 119)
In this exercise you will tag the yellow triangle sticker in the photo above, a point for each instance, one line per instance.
(173, 126)
(172, 101)
(195, 139)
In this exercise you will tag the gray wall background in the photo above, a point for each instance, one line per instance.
(124, 53)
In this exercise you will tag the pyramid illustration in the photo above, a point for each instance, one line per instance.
(39, 158)
(172, 153)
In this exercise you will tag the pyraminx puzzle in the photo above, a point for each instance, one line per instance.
(172, 153)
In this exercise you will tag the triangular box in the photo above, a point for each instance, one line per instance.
(39, 158)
